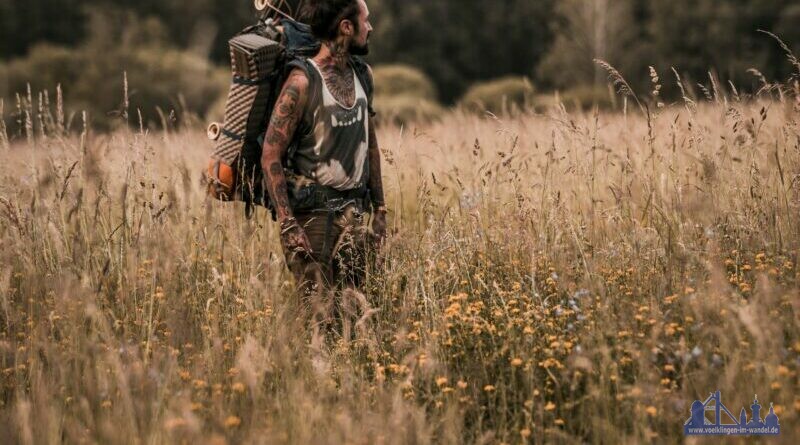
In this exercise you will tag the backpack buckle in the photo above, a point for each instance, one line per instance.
(335, 204)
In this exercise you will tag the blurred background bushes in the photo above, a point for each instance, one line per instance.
(505, 95)
(393, 80)
(403, 110)
(165, 84)
(583, 97)
(404, 94)
(176, 55)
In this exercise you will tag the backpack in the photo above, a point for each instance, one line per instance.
(262, 56)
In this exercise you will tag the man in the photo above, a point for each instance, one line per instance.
(321, 126)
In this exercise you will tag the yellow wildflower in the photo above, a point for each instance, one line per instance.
(232, 422)
(174, 423)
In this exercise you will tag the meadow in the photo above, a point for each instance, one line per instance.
(552, 276)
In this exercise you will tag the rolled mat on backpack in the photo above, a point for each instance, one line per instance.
(254, 58)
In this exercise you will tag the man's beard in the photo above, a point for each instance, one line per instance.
(360, 50)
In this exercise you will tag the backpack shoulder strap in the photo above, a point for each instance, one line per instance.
(365, 76)
(298, 39)
(304, 65)
(300, 63)
(314, 93)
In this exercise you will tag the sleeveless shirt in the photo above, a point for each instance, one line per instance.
(332, 145)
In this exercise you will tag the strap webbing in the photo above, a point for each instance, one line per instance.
(231, 135)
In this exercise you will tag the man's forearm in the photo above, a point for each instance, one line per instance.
(276, 186)
(375, 178)
(280, 131)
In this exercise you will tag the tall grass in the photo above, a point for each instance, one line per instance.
(550, 278)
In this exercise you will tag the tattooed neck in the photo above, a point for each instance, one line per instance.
(334, 63)
(337, 53)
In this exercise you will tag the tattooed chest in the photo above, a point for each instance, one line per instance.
(341, 84)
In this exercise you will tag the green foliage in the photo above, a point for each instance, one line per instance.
(720, 36)
(171, 79)
(694, 36)
(25, 23)
(586, 31)
(44, 68)
(405, 109)
(499, 96)
(393, 80)
(203, 25)
(160, 81)
(458, 42)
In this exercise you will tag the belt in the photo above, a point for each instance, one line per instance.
(331, 199)
(332, 202)
(314, 198)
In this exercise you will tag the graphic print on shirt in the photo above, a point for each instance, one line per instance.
(341, 140)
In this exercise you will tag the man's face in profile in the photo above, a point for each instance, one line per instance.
(359, 46)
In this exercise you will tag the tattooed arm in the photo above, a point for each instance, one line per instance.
(374, 155)
(376, 184)
(376, 188)
(280, 132)
(375, 179)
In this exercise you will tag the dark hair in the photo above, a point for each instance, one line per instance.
(324, 16)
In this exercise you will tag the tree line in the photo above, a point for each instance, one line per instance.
(459, 42)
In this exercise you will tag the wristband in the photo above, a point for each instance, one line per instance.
(288, 224)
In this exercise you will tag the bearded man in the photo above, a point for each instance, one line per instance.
(320, 155)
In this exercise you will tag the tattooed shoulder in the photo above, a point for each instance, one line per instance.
(288, 110)
(298, 78)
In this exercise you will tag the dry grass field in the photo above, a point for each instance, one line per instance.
(551, 278)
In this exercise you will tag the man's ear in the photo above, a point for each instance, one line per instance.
(346, 28)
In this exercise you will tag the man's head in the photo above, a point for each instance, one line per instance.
(344, 21)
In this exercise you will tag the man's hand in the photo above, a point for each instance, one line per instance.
(294, 238)
(379, 226)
